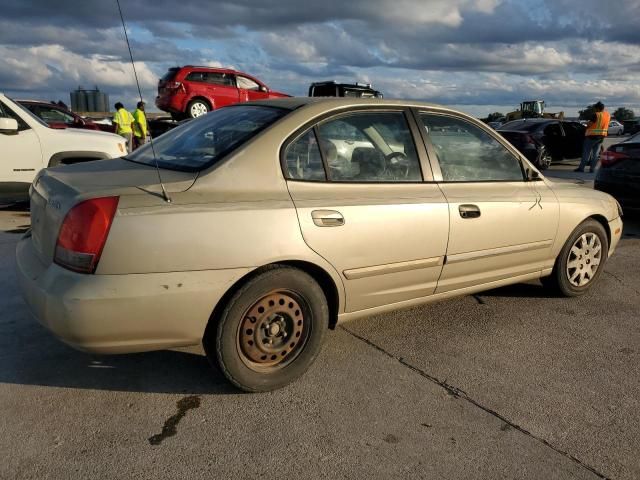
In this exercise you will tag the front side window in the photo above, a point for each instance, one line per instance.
(204, 141)
(466, 153)
(369, 147)
(7, 112)
(247, 83)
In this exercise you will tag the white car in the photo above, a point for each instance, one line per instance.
(615, 128)
(29, 145)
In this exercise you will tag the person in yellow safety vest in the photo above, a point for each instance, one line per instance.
(597, 130)
(123, 120)
(139, 126)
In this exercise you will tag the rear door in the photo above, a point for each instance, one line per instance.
(222, 87)
(368, 209)
(20, 160)
(501, 226)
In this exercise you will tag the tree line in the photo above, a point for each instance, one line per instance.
(619, 114)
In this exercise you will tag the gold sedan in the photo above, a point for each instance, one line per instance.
(255, 228)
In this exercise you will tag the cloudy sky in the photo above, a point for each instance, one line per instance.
(478, 55)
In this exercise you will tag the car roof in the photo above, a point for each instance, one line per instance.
(293, 103)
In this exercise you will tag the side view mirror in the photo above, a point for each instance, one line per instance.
(264, 89)
(8, 125)
(533, 176)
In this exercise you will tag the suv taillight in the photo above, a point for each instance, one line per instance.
(609, 158)
(172, 85)
(83, 234)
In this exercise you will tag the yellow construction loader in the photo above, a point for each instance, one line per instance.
(532, 109)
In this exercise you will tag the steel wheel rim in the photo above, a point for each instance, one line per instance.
(584, 259)
(198, 109)
(273, 331)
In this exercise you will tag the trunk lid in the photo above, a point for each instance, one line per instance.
(56, 190)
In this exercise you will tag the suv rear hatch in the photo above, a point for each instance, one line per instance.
(167, 83)
(56, 190)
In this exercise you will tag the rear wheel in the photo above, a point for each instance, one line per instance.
(581, 260)
(271, 330)
(197, 108)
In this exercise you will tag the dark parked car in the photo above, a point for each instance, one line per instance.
(631, 127)
(191, 91)
(59, 117)
(619, 172)
(542, 140)
(333, 89)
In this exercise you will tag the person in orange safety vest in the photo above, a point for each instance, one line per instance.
(597, 129)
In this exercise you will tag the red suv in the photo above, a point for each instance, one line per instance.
(188, 92)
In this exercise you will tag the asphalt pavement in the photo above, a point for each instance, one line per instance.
(511, 383)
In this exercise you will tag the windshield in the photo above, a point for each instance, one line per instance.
(202, 142)
(31, 114)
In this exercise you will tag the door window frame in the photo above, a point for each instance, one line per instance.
(431, 152)
(426, 171)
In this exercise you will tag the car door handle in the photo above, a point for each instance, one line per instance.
(469, 211)
(327, 218)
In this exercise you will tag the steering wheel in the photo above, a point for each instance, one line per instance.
(398, 164)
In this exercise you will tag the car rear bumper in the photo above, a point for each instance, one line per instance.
(120, 313)
(175, 102)
(627, 193)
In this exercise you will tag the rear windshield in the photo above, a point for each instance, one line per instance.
(170, 75)
(522, 126)
(204, 141)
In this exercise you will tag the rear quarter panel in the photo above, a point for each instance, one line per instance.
(238, 214)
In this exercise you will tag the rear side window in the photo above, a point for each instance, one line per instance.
(466, 153)
(218, 78)
(204, 141)
(303, 160)
(365, 147)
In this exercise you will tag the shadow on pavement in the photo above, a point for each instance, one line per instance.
(42, 360)
(523, 290)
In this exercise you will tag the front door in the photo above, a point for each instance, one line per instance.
(501, 225)
(250, 90)
(21, 158)
(366, 209)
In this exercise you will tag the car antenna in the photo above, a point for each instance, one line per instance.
(165, 196)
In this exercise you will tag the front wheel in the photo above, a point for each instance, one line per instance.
(271, 330)
(581, 260)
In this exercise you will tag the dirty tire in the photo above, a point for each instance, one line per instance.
(271, 330)
(573, 273)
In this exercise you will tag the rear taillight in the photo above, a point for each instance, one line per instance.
(608, 158)
(528, 139)
(173, 85)
(84, 233)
